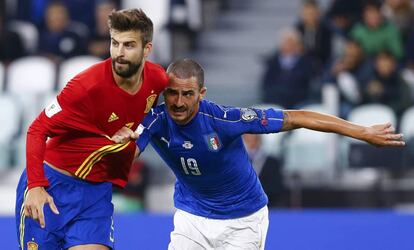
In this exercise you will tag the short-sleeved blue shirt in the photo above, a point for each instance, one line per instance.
(215, 178)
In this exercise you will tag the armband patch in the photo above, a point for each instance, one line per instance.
(140, 129)
(53, 108)
(248, 114)
(264, 120)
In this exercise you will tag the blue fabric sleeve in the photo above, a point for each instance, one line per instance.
(147, 128)
(237, 121)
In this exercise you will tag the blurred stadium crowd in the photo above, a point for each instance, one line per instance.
(352, 58)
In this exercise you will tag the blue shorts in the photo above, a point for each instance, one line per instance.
(85, 214)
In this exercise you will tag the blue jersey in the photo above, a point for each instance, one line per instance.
(215, 178)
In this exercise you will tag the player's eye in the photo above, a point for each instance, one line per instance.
(129, 45)
(171, 92)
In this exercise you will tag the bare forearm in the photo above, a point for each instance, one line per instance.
(294, 119)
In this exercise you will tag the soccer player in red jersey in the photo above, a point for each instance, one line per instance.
(74, 170)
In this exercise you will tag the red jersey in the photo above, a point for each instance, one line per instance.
(81, 120)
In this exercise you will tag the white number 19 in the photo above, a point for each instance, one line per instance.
(190, 166)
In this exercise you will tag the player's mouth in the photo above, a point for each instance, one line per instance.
(120, 61)
(178, 110)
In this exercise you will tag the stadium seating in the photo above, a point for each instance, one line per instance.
(70, 67)
(29, 80)
(28, 33)
(361, 154)
(2, 77)
(9, 120)
(310, 154)
(369, 114)
(407, 121)
(31, 75)
(407, 128)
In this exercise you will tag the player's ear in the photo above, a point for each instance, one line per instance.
(147, 49)
(203, 92)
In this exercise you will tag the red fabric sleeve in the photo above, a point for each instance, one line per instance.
(70, 111)
(35, 149)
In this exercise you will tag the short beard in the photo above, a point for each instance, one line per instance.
(129, 72)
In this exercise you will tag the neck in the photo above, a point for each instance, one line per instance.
(131, 84)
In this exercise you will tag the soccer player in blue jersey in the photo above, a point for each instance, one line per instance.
(219, 199)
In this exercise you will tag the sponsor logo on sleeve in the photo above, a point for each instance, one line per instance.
(53, 108)
(248, 114)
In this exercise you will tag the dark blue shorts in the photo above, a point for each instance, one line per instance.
(85, 214)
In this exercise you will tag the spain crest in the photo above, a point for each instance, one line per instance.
(213, 142)
(150, 102)
(31, 245)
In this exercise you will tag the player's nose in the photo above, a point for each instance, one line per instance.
(179, 101)
(120, 51)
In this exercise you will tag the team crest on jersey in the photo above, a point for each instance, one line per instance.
(187, 145)
(150, 102)
(213, 142)
(248, 115)
(31, 245)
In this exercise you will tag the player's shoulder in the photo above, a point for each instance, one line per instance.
(157, 73)
(157, 112)
(229, 114)
(219, 112)
(159, 109)
(156, 115)
(154, 66)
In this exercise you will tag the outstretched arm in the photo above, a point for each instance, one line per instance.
(378, 135)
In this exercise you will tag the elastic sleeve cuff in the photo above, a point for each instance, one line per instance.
(42, 183)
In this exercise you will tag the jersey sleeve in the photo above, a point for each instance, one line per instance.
(71, 110)
(238, 121)
(148, 127)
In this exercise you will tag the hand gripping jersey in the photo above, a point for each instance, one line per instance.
(215, 178)
(80, 121)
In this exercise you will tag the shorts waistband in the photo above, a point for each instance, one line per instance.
(50, 171)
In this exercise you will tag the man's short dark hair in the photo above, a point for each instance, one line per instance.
(313, 3)
(372, 4)
(187, 68)
(132, 19)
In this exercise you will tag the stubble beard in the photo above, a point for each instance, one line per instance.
(132, 69)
